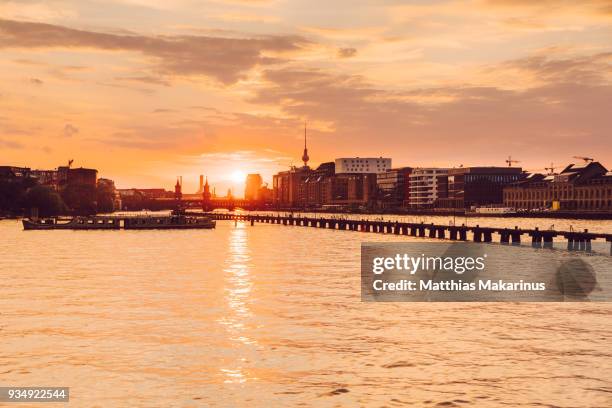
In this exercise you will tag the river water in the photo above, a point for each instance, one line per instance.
(269, 315)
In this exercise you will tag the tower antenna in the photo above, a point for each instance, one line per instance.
(305, 157)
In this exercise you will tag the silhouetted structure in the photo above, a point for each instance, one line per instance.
(206, 197)
(252, 186)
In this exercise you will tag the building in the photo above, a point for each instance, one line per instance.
(265, 194)
(46, 177)
(285, 186)
(313, 191)
(12, 173)
(478, 186)
(427, 186)
(583, 187)
(287, 189)
(349, 190)
(253, 185)
(362, 165)
(393, 187)
(82, 177)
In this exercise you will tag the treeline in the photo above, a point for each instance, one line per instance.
(19, 197)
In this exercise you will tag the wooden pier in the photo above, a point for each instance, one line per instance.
(576, 240)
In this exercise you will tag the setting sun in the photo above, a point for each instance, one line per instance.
(238, 176)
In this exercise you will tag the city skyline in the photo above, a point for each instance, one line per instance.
(145, 91)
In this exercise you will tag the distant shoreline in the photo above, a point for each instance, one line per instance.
(461, 213)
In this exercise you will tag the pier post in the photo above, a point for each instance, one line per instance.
(548, 241)
(453, 233)
(504, 237)
(536, 238)
(477, 234)
(432, 231)
(488, 236)
(441, 233)
(252, 222)
(396, 230)
(516, 236)
(422, 231)
(570, 243)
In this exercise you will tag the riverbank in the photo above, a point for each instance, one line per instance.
(569, 215)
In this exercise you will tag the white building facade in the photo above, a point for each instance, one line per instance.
(426, 186)
(374, 165)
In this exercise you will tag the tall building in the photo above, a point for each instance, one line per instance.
(478, 186)
(178, 190)
(286, 184)
(584, 187)
(252, 186)
(427, 186)
(393, 187)
(206, 197)
(362, 165)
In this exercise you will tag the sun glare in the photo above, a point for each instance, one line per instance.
(238, 176)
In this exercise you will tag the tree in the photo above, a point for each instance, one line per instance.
(81, 198)
(12, 193)
(45, 199)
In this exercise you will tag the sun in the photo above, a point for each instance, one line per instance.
(238, 176)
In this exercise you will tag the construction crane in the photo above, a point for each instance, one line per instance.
(510, 161)
(70, 162)
(551, 169)
(586, 159)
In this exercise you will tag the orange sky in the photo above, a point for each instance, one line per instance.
(146, 90)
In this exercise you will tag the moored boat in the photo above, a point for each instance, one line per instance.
(176, 220)
(76, 223)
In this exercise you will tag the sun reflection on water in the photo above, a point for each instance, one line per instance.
(238, 285)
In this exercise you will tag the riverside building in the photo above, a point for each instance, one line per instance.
(478, 186)
(427, 186)
(393, 187)
(362, 165)
(582, 187)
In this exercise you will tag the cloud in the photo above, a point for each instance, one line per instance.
(9, 144)
(70, 130)
(225, 59)
(149, 80)
(346, 52)
(565, 112)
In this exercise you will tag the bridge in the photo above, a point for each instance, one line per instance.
(164, 203)
(576, 240)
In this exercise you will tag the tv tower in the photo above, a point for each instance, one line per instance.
(305, 157)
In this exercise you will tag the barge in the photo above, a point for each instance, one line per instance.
(176, 220)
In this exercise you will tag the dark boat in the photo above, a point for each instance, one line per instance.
(176, 220)
(76, 223)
